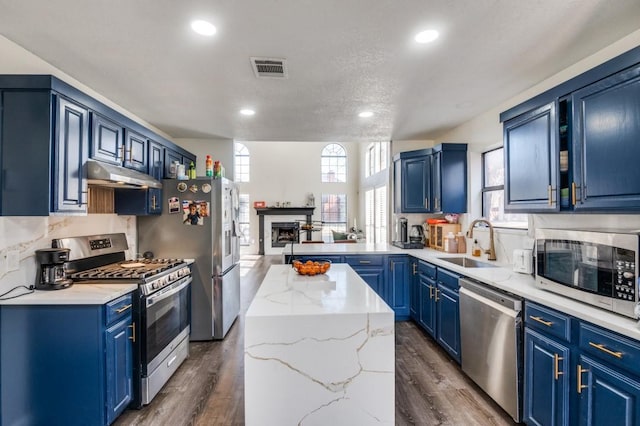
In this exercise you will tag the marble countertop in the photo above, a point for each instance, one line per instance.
(501, 277)
(78, 294)
(340, 290)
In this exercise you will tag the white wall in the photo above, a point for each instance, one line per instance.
(289, 171)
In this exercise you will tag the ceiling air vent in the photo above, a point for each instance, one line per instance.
(269, 67)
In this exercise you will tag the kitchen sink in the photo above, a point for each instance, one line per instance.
(467, 262)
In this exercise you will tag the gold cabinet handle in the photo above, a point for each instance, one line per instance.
(580, 371)
(437, 291)
(556, 361)
(574, 197)
(605, 350)
(124, 308)
(541, 321)
(133, 332)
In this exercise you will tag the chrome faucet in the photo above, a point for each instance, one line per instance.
(492, 250)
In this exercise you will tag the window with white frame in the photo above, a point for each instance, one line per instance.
(493, 192)
(241, 163)
(376, 214)
(333, 163)
(333, 211)
(376, 158)
(244, 220)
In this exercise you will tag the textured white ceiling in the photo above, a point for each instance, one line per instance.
(343, 56)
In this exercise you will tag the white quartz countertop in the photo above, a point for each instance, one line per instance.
(78, 294)
(339, 291)
(502, 277)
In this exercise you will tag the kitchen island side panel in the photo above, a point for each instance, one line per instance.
(319, 350)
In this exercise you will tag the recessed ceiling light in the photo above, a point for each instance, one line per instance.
(426, 36)
(247, 111)
(203, 27)
(365, 114)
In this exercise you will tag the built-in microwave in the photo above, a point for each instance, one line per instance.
(599, 267)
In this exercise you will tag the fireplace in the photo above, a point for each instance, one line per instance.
(280, 214)
(283, 233)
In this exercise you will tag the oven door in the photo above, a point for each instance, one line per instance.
(166, 317)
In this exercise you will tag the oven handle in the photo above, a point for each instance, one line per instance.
(169, 291)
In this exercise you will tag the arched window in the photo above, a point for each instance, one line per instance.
(241, 166)
(334, 163)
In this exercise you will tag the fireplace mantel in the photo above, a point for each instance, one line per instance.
(280, 211)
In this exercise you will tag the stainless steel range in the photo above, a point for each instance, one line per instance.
(162, 310)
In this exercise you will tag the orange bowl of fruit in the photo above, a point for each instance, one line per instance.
(311, 267)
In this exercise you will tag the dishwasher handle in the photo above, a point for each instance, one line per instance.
(494, 295)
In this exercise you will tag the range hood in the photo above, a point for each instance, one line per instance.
(105, 174)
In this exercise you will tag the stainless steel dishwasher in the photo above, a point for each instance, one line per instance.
(491, 343)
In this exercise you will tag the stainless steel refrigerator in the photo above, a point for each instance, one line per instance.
(199, 221)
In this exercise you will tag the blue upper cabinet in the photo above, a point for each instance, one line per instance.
(72, 145)
(106, 140)
(606, 132)
(113, 143)
(449, 178)
(531, 159)
(412, 175)
(49, 129)
(135, 152)
(431, 180)
(575, 147)
(43, 136)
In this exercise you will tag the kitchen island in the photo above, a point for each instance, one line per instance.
(318, 350)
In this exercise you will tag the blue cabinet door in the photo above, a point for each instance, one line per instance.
(135, 151)
(416, 188)
(374, 277)
(71, 153)
(156, 169)
(106, 140)
(448, 320)
(606, 396)
(546, 380)
(414, 296)
(428, 305)
(532, 161)
(606, 132)
(449, 178)
(119, 368)
(398, 286)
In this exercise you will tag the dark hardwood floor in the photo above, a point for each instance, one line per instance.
(208, 389)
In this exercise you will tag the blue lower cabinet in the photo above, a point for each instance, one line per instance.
(546, 380)
(374, 277)
(427, 305)
(398, 281)
(448, 321)
(119, 363)
(65, 364)
(414, 291)
(606, 396)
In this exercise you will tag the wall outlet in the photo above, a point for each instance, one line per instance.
(13, 260)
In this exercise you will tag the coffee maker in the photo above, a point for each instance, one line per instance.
(51, 269)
